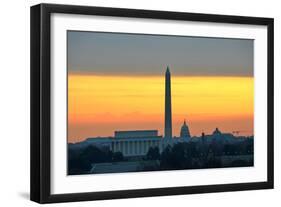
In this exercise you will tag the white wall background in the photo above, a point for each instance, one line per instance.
(14, 101)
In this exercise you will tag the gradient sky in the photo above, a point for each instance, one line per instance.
(116, 82)
(130, 54)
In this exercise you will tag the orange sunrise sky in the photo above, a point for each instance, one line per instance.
(99, 105)
(117, 82)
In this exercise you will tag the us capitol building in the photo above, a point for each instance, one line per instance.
(138, 142)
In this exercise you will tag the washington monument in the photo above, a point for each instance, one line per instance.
(168, 110)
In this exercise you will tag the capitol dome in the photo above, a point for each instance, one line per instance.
(184, 130)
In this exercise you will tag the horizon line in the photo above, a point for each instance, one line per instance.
(162, 136)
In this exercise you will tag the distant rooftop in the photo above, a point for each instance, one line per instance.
(136, 134)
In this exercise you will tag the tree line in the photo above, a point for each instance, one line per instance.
(186, 155)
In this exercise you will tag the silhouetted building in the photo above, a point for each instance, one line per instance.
(136, 134)
(184, 131)
(217, 132)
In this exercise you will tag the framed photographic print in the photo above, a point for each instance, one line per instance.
(133, 103)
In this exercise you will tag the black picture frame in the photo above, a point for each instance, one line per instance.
(41, 96)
